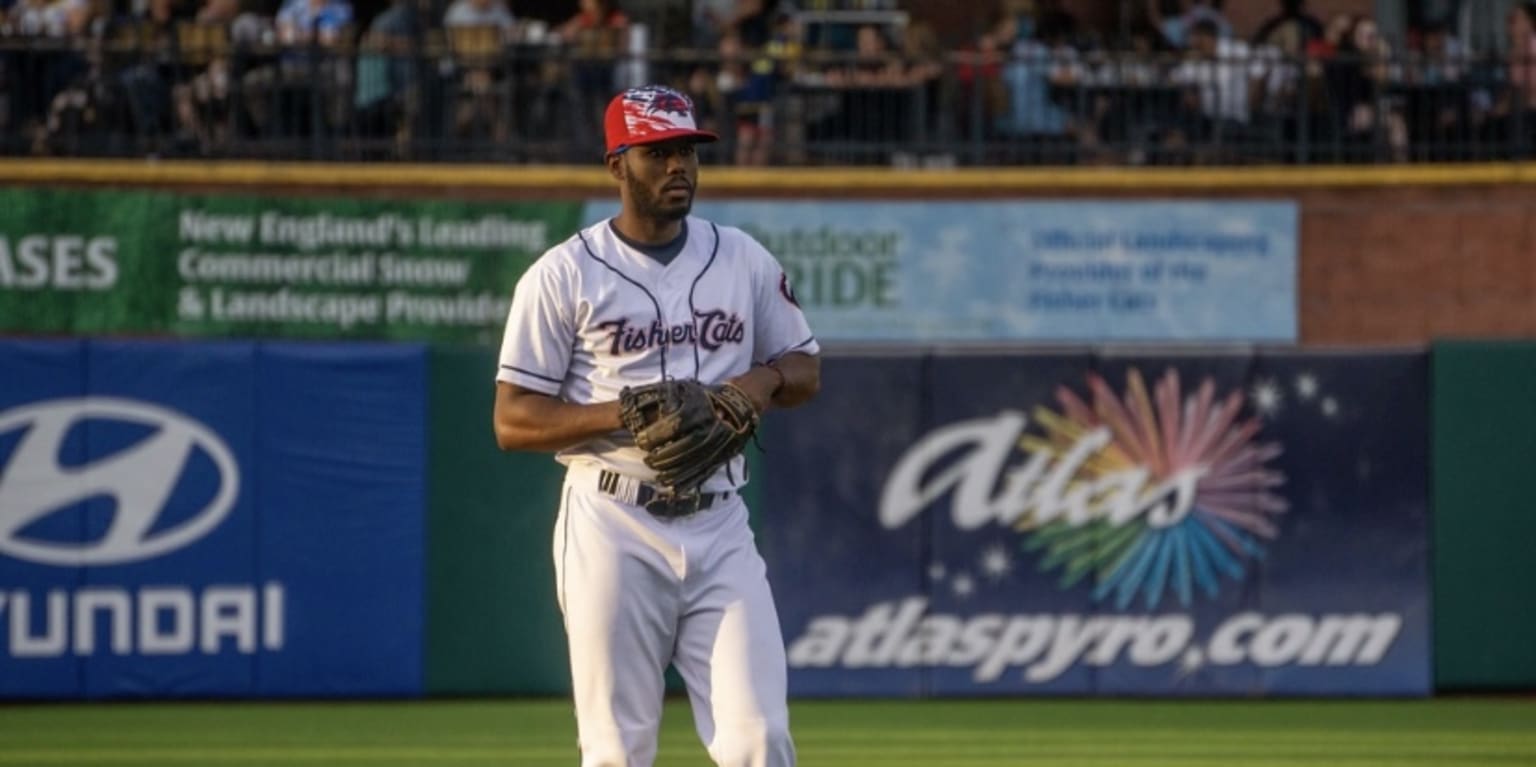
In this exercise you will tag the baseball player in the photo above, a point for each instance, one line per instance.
(644, 576)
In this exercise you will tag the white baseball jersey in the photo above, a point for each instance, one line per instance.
(594, 315)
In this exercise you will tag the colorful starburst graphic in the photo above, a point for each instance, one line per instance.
(1196, 493)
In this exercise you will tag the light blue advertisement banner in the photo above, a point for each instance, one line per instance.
(1079, 271)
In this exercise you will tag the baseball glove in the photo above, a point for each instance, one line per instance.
(687, 430)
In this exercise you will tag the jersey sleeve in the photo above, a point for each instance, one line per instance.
(780, 324)
(541, 330)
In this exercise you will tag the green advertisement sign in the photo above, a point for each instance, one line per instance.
(79, 262)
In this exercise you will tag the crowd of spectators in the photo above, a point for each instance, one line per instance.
(1172, 81)
(1182, 87)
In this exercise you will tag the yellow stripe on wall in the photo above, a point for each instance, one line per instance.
(533, 178)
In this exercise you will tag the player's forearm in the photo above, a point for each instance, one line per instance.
(531, 421)
(791, 380)
(802, 379)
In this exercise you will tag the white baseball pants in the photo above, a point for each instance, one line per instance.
(639, 592)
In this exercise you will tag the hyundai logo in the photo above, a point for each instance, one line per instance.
(140, 479)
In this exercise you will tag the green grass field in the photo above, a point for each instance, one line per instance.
(1029, 733)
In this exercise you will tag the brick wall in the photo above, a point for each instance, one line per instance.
(1386, 265)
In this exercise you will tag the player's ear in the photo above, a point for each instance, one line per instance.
(616, 165)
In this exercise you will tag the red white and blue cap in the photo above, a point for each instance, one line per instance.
(650, 114)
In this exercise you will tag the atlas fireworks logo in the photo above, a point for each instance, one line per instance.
(1151, 493)
(1151, 496)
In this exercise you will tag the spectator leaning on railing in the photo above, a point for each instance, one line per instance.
(1364, 122)
(1512, 119)
(1179, 29)
(1034, 67)
(746, 95)
(983, 97)
(1218, 73)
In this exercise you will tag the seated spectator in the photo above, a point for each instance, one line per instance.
(596, 37)
(478, 30)
(481, 13)
(305, 22)
(147, 82)
(1436, 99)
(711, 20)
(754, 21)
(1178, 30)
(1438, 56)
(71, 94)
(875, 64)
(308, 71)
(48, 69)
(385, 98)
(47, 18)
(597, 23)
(203, 108)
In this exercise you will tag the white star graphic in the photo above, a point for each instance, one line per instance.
(1192, 661)
(1330, 407)
(1306, 386)
(963, 585)
(995, 563)
(1267, 397)
(936, 571)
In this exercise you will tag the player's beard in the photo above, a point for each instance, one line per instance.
(649, 203)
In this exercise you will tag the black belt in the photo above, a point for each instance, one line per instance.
(659, 502)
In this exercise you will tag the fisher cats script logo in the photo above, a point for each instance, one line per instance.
(1155, 495)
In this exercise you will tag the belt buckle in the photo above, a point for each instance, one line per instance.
(669, 506)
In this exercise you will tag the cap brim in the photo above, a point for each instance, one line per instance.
(699, 136)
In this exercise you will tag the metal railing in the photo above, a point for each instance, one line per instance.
(457, 98)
